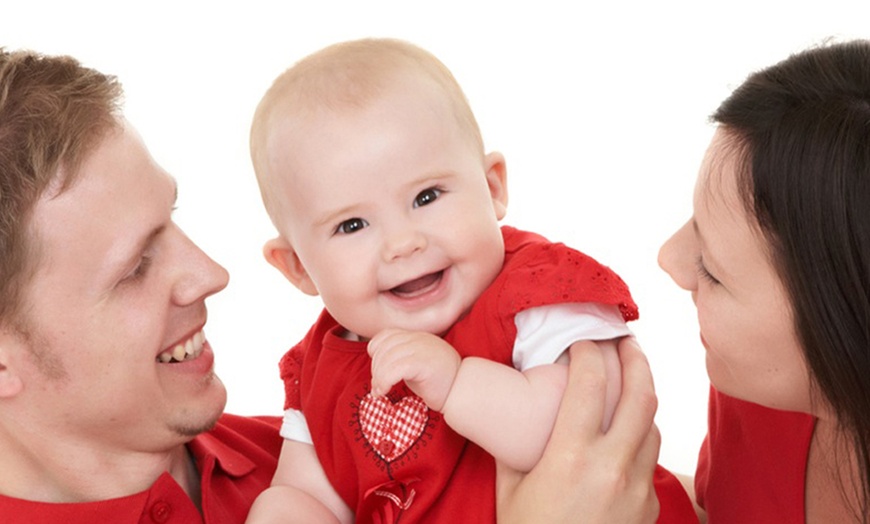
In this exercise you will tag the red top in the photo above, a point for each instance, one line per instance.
(237, 460)
(752, 465)
(391, 458)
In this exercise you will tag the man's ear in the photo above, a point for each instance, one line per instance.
(283, 257)
(496, 179)
(10, 381)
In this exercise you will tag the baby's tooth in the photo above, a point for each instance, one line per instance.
(178, 352)
(164, 357)
(188, 347)
(198, 339)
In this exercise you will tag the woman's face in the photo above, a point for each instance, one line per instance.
(746, 320)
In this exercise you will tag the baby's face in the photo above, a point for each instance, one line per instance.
(392, 211)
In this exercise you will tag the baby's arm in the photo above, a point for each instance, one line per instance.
(507, 412)
(510, 413)
(300, 492)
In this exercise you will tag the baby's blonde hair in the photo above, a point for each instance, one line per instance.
(347, 75)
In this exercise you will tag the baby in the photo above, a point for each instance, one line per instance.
(440, 344)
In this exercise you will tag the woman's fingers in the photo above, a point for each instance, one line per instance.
(637, 407)
(582, 408)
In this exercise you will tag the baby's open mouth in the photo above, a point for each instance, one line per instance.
(188, 350)
(418, 286)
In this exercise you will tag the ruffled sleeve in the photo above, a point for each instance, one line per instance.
(291, 370)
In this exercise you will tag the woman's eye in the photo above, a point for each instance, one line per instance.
(704, 273)
(426, 197)
(351, 226)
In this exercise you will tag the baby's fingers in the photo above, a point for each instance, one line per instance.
(382, 341)
(389, 361)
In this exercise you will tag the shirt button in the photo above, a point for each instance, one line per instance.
(161, 511)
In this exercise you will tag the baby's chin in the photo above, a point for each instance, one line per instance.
(438, 328)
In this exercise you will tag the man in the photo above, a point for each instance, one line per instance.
(110, 410)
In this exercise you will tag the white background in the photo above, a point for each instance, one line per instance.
(600, 110)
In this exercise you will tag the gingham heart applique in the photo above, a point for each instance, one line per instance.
(392, 428)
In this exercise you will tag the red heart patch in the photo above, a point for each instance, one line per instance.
(392, 428)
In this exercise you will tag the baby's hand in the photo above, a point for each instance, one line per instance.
(426, 363)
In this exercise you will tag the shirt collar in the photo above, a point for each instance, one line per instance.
(207, 446)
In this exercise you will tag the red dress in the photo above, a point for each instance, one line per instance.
(236, 460)
(395, 457)
(752, 465)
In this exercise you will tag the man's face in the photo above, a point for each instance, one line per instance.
(118, 288)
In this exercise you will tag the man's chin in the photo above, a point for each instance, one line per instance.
(193, 423)
(196, 425)
(191, 430)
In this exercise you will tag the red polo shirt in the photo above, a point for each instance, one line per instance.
(236, 459)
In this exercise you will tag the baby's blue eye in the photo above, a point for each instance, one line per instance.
(426, 197)
(351, 226)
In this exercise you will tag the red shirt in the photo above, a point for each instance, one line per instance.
(237, 460)
(753, 463)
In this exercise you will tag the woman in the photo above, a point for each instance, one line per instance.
(777, 258)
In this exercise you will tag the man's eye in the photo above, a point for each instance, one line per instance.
(426, 197)
(140, 270)
(351, 226)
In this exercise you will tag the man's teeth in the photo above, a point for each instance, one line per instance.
(185, 351)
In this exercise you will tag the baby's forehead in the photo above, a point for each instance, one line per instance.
(345, 91)
(297, 115)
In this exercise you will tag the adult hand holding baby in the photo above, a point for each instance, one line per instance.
(611, 473)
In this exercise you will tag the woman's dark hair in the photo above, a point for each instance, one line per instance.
(804, 130)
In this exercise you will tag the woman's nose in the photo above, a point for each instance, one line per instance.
(678, 255)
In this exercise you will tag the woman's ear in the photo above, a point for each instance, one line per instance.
(283, 257)
(496, 179)
(10, 381)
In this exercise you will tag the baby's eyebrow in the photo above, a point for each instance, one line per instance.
(331, 216)
(431, 177)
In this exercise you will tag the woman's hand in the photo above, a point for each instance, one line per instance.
(586, 475)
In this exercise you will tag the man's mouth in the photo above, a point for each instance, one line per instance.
(187, 350)
(418, 286)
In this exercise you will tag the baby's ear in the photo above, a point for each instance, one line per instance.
(496, 179)
(283, 257)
